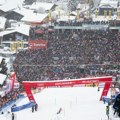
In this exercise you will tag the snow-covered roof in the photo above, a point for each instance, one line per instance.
(34, 17)
(10, 5)
(6, 32)
(21, 28)
(7, 7)
(23, 11)
(2, 78)
(2, 2)
(112, 3)
(2, 22)
(37, 5)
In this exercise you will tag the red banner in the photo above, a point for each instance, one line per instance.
(64, 83)
(12, 78)
(37, 44)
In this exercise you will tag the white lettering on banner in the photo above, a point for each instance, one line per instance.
(64, 83)
(39, 44)
(29, 95)
(89, 81)
(39, 85)
(105, 90)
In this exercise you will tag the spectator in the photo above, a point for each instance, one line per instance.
(96, 50)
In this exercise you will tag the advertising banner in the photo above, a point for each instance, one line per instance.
(65, 83)
(37, 44)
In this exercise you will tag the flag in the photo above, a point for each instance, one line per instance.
(78, 14)
(110, 13)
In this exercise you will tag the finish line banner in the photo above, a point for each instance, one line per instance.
(65, 83)
(37, 44)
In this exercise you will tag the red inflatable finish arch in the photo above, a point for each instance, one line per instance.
(64, 83)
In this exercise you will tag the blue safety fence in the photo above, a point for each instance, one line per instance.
(11, 102)
(108, 100)
(19, 108)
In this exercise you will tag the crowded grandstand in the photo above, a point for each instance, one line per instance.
(58, 43)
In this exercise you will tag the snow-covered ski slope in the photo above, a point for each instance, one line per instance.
(77, 103)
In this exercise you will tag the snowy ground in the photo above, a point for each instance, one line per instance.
(77, 103)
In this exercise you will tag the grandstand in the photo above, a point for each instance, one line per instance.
(70, 46)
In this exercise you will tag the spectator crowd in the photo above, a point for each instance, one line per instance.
(71, 54)
(9, 97)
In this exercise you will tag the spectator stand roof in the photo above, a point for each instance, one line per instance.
(21, 28)
(2, 23)
(2, 78)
